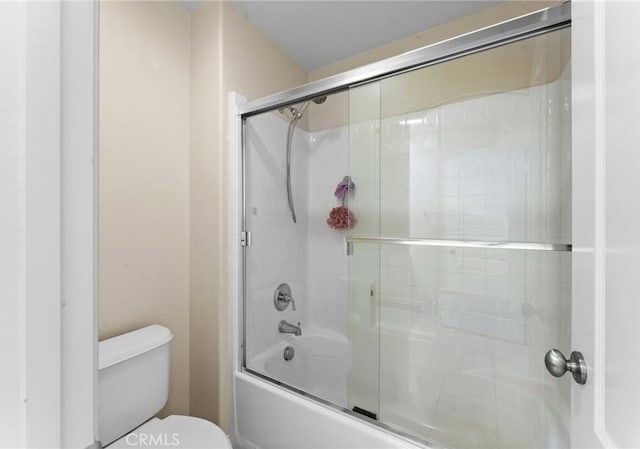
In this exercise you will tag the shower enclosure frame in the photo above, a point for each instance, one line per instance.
(527, 26)
(503, 33)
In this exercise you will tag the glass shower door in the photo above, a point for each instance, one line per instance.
(364, 260)
(448, 160)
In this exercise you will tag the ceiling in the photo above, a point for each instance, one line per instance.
(318, 33)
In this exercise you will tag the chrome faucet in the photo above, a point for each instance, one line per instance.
(288, 328)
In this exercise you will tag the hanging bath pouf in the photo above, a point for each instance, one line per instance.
(341, 217)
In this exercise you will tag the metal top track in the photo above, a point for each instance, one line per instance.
(526, 246)
(512, 30)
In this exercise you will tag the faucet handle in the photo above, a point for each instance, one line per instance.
(293, 302)
(282, 297)
(287, 298)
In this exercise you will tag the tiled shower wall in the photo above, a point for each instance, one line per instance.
(278, 250)
(327, 265)
(307, 255)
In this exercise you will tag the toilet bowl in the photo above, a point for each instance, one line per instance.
(133, 385)
(175, 431)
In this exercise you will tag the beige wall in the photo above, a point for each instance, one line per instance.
(144, 177)
(163, 178)
(205, 179)
(227, 54)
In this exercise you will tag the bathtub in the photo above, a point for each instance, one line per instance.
(319, 364)
(270, 416)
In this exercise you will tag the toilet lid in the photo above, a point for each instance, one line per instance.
(175, 431)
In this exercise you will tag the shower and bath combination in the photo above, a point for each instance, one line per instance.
(296, 114)
(412, 319)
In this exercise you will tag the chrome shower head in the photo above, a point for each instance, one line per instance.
(297, 113)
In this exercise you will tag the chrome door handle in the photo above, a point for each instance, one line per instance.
(557, 365)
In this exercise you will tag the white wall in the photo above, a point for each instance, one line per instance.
(46, 275)
(278, 250)
(12, 32)
(79, 209)
(326, 262)
(31, 283)
(42, 214)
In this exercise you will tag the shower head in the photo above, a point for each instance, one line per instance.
(296, 114)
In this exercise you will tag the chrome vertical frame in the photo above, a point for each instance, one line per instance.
(243, 268)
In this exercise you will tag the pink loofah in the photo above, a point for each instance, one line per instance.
(341, 218)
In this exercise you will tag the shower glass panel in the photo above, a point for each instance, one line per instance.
(364, 264)
(306, 254)
(447, 342)
(392, 295)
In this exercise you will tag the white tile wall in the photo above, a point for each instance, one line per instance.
(308, 255)
(279, 246)
(465, 331)
(327, 265)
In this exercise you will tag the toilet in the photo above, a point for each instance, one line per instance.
(133, 385)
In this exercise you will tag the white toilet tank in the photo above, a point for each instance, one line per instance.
(133, 380)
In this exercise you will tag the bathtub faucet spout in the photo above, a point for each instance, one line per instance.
(288, 328)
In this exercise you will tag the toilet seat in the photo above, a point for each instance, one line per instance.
(175, 431)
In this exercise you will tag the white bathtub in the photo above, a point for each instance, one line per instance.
(319, 365)
(271, 417)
